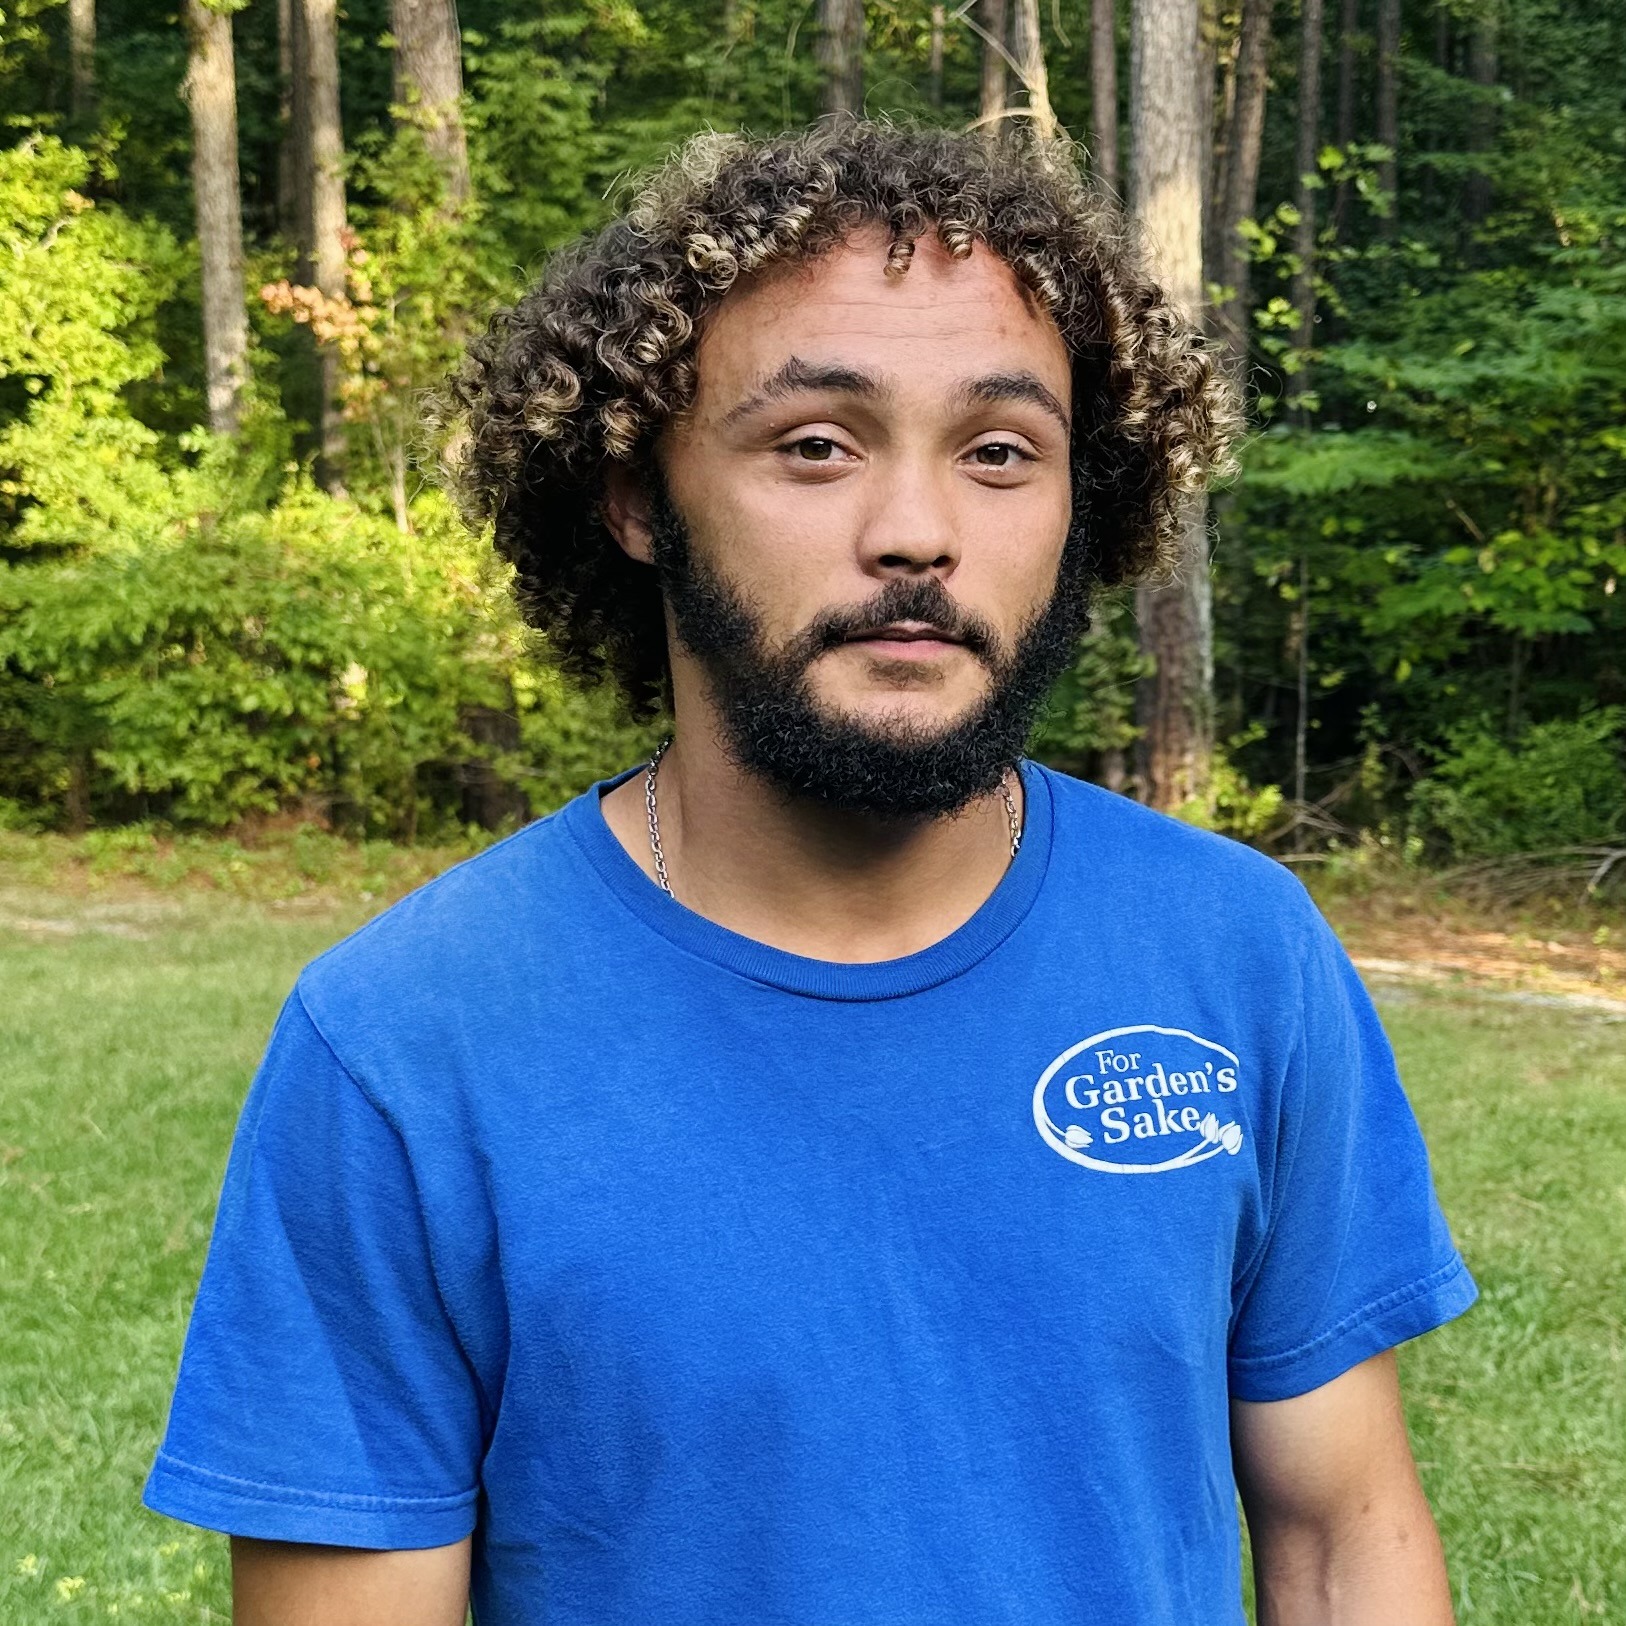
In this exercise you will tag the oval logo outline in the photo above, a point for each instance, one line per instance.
(1055, 1138)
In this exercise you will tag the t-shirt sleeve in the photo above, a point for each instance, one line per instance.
(323, 1395)
(1357, 1256)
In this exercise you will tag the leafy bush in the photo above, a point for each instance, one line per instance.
(1090, 712)
(190, 630)
(307, 654)
(1561, 784)
(1235, 806)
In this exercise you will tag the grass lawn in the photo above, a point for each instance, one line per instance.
(132, 1022)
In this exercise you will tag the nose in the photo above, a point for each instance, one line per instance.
(908, 529)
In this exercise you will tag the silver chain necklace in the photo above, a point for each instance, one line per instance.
(655, 822)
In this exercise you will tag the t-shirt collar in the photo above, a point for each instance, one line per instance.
(999, 915)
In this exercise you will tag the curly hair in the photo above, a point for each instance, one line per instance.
(592, 363)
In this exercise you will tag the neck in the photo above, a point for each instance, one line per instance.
(806, 878)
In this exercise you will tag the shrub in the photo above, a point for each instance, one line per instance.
(1560, 784)
(190, 631)
(305, 655)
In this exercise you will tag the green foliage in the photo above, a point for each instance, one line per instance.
(540, 160)
(191, 629)
(1233, 806)
(290, 655)
(1451, 474)
(1562, 784)
(1091, 711)
(78, 305)
(1437, 490)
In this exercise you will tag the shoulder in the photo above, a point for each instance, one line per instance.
(469, 938)
(1143, 888)
(1111, 829)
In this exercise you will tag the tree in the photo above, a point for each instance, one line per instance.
(1388, 112)
(934, 57)
(1104, 91)
(293, 195)
(1208, 58)
(840, 53)
(1349, 23)
(428, 79)
(1306, 183)
(1012, 42)
(1306, 180)
(82, 58)
(1175, 708)
(1028, 50)
(211, 93)
(1239, 194)
(1482, 66)
(993, 28)
(318, 31)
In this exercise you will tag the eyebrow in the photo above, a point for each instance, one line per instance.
(799, 377)
(1017, 386)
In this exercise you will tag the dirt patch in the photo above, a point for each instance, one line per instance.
(1447, 942)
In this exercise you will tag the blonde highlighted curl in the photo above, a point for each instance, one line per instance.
(589, 365)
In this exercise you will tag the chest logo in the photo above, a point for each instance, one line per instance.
(1140, 1100)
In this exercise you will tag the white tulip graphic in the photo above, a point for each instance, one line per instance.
(1231, 1138)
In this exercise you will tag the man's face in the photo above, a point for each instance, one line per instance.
(868, 507)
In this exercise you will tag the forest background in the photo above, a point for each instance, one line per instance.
(242, 242)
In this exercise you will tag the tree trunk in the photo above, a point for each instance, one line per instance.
(488, 800)
(1028, 49)
(287, 162)
(1304, 161)
(1482, 64)
(296, 146)
(1174, 705)
(319, 31)
(1222, 123)
(211, 93)
(1349, 26)
(1301, 720)
(840, 54)
(1243, 144)
(994, 15)
(1104, 90)
(934, 65)
(82, 59)
(1208, 30)
(429, 78)
(1388, 106)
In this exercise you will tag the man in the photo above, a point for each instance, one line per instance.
(839, 1172)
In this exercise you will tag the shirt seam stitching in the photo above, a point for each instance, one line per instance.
(388, 1120)
(434, 883)
(1393, 1300)
(357, 1501)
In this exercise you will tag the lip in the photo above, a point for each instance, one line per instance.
(906, 640)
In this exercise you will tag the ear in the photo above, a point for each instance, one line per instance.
(626, 512)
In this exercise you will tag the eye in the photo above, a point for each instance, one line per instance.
(999, 454)
(813, 449)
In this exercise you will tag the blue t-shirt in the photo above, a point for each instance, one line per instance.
(711, 1285)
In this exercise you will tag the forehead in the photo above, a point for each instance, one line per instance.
(941, 320)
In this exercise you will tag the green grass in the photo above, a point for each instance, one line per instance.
(123, 1059)
(129, 1033)
(1518, 1410)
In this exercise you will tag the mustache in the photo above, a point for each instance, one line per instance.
(925, 600)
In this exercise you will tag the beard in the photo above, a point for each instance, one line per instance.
(773, 725)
